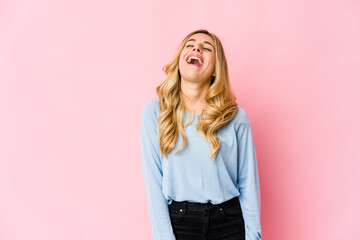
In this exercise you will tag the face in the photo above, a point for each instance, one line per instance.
(202, 46)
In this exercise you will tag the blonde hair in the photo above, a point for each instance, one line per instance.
(220, 99)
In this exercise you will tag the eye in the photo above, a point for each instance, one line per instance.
(193, 45)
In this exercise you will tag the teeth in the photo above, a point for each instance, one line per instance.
(193, 57)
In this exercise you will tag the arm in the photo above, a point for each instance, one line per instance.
(248, 182)
(152, 175)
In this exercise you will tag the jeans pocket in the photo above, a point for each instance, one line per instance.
(231, 212)
(176, 214)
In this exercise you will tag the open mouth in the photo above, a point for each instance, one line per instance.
(193, 60)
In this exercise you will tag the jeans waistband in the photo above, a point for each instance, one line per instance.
(202, 206)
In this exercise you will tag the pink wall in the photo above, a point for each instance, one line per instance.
(74, 76)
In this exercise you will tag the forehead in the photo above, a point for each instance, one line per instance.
(201, 37)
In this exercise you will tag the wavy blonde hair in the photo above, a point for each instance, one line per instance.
(220, 99)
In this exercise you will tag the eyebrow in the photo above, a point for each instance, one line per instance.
(204, 42)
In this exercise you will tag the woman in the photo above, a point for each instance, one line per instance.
(201, 177)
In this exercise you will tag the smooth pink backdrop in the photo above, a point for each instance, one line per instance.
(74, 76)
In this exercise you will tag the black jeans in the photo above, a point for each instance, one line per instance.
(207, 221)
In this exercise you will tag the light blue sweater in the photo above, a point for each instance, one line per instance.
(191, 176)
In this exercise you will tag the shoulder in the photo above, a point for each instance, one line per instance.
(241, 116)
(151, 108)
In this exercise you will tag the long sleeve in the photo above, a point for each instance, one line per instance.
(248, 181)
(152, 175)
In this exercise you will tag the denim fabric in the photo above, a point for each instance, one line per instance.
(207, 221)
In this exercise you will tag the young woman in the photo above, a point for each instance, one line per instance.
(198, 155)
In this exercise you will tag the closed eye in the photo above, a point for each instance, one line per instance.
(193, 45)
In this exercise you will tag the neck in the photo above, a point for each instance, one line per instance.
(194, 95)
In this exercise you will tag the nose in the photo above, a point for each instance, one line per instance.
(196, 49)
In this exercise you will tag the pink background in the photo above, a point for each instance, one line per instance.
(74, 76)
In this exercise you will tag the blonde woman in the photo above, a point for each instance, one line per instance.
(198, 155)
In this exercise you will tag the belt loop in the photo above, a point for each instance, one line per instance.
(185, 206)
(203, 207)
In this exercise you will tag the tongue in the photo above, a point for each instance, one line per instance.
(194, 61)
